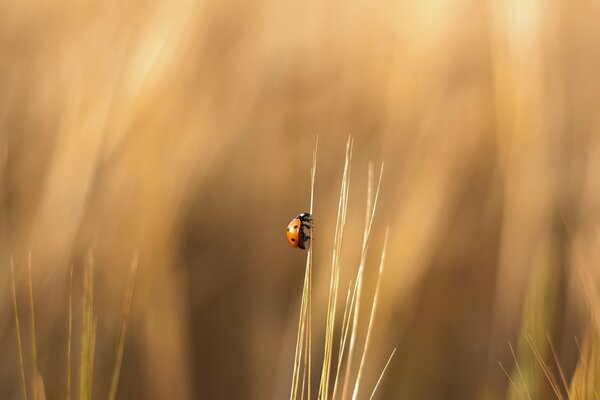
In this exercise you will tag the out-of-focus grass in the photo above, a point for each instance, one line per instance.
(89, 324)
(183, 129)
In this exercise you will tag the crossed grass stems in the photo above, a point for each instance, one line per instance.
(350, 381)
(88, 337)
(584, 382)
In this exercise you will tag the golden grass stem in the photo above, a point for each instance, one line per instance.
(87, 333)
(587, 370)
(344, 336)
(310, 266)
(18, 329)
(560, 369)
(92, 354)
(381, 375)
(371, 318)
(114, 384)
(348, 334)
(303, 339)
(511, 380)
(354, 329)
(512, 351)
(335, 274)
(545, 368)
(34, 372)
(69, 333)
(370, 214)
(300, 338)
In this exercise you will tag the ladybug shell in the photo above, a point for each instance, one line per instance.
(293, 233)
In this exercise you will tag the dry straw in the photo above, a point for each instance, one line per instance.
(89, 329)
(348, 336)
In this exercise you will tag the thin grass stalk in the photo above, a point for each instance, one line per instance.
(512, 351)
(545, 368)
(310, 266)
(18, 329)
(327, 350)
(344, 326)
(123, 331)
(344, 336)
(587, 370)
(585, 376)
(92, 354)
(560, 369)
(69, 333)
(371, 318)
(381, 375)
(86, 333)
(303, 385)
(512, 382)
(304, 322)
(301, 337)
(353, 333)
(299, 344)
(358, 288)
(34, 372)
(334, 282)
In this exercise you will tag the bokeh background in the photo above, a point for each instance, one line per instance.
(183, 131)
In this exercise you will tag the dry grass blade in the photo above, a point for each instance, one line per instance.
(348, 334)
(303, 338)
(335, 274)
(92, 354)
(511, 380)
(354, 329)
(351, 310)
(34, 372)
(584, 362)
(381, 375)
(545, 369)
(18, 328)
(512, 351)
(69, 333)
(371, 317)
(371, 208)
(123, 331)
(87, 334)
(556, 361)
(348, 312)
(300, 340)
(309, 267)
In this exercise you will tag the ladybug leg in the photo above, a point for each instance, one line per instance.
(304, 237)
(305, 217)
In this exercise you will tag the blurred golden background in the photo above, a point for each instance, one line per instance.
(182, 131)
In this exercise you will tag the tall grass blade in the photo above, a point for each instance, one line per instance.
(303, 339)
(515, 387)
(18, 329)
(371, 209)
(86, 356)
(123, 331)
(34, 372)
(381, 375)
(69, 333)
(371, 318)
(335, 272)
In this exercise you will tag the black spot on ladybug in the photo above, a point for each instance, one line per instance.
(295, 226)
(293, 240)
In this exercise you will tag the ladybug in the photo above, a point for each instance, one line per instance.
(295, 231)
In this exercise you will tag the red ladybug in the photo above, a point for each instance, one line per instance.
(295, 231)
